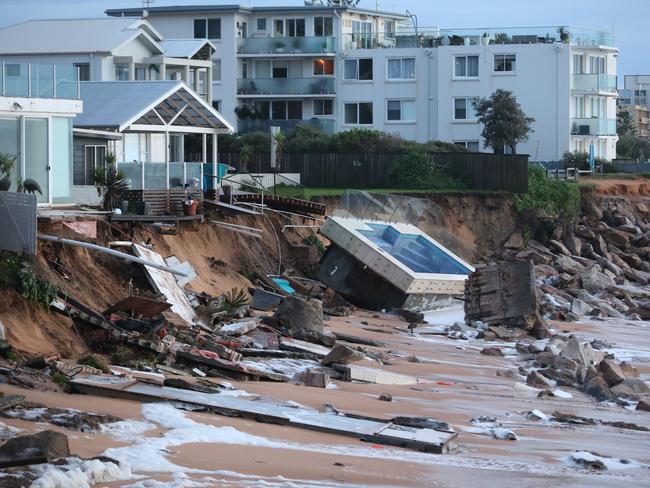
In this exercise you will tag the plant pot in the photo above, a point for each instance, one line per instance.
(190, 208)
(124, 206)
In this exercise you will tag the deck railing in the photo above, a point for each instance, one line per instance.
(38, 80)
(156, 176)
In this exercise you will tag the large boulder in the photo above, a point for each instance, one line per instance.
(301, 313)
(47, 444)
(594, 281)
(342, 354)
(612, 372)
(559, 247)
(591, 210)
(515, 241)
(618, 238)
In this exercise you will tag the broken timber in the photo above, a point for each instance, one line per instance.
(379, 432)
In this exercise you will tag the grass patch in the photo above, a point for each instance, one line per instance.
(558, 198)
(309, 193)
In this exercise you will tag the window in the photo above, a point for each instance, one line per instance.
(579, 107)
(140, 72)
(323, 66)
(389, 29)
(12, 70)
(261, 24)
(362, 34)
(323, 26)
(84, 71)
(286, 110)
(358, 113)
(323, 107)
(400, 110)
(504, 62)
(280, 69)
(464, 108)
(122, 72)
(578, 64)
(401, 69)
(216, 104)
(216, 70)
(466, 66)
(207, 28)
(290, 27)
(94, 159)
(472, 146)
(597, 65)
(358, 69)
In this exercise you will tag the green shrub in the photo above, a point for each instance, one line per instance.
(559, 199)
(312, 240)
(95, 362)
(609, 167)
(415, 170)
(15, 273)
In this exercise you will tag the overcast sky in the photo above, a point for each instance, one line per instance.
(629, 20)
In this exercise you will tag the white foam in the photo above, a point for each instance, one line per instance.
(609, 462)
(80, 474)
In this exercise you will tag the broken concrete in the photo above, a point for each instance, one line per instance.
(301, 313)
(342, 354)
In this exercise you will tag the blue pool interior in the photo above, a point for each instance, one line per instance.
(412, 250)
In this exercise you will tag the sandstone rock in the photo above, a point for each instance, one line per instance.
(508, 373)
(386, 397)
(600, 246)
(632, 389)
(515, 241)
(643, 406)
(629, 371)
(491, 351)
(612, 372)
(583, 354)
(342, 354)
(609, 310)
(590, 209)
(534, 256)
(584, 232)
(595, 281)
(630, 229)
(561, 248)
(573, 244)
(637, 275)
(568, 265)
(544, 271)
(301, 313)
(596, 386)
(617, 238)
(632, 260)
(48, 444)
(536, 380)
(641, 207)
(579, 307)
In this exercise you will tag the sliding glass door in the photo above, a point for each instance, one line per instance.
(37, 165)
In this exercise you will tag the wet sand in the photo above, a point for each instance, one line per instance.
(458, 383)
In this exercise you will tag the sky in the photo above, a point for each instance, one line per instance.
(629, 20)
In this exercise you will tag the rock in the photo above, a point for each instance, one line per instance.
(491, 351)
(534, 256)
(238, 328)
(536, 380)
(596, 386)
(561, 248)
(617, 238)
(515, 241)
(301, 313)
(594, 281)
(631, 389)
(413, 359)
(629, 371)
(641, 207)
(637, 275)
(544, 271)
(631, 259)
(579, 307)
(583, 354)
(508, 373)
(630, 229)
(573, 244)
(507, 333)
(569, 265)
(47, 444)
(342, 354)
(590, 209)
(317, 379)
(643, 406)
(607, 264)
(461, 327)
(612, 372)
(584, 232)
(609, 310)
(600, 246)
(409, 316)
(386, 397)
(587, 460)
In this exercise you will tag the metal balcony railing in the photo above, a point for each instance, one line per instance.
(286, 45)
(39, 80)
(593, 127)
(286, 86)
(593, 83)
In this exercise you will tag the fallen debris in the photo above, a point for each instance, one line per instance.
(342, 354)
(43, 447)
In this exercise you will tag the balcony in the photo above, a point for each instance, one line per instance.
(593, 127)
(38, 81)
(286, 86)
(247, 125)
(153, 175)
(263, 46)
(593, 83)
(435, 37)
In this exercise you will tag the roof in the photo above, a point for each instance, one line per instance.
(184, 48)
(62, 36)
(173, 9)
(120, 104)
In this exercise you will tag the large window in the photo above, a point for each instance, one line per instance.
(280, 69)
(400, 110)
(286, 110)
(94, 159)
(84, 71)
(216, 70)
(358, 69)
(324, 107)
(122, 72)
(466, 66)
(597, 65)
(207, 28)
(289, 27)
(464, 108)
(504, 62)
(323, 67)
(358, 113)
(140, 72)
(401, 69)
(261, 24)
(578, 64)
(323, 26)
(472, 146)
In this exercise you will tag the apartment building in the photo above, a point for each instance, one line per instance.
(640, 117)
(338, 68)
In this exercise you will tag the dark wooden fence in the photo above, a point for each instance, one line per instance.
(481, 171)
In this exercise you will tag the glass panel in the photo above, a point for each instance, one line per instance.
(216, 70)
(350, 113)
(294, 110)
(261, 24)
(131, 147)
(365, 69)
(62, 160)
(154, 176)
(460, 66)
(199, 29)
(89, 167)
(214, 28)
(408, 110)
(10, 144)
(394, 69)
(473, 146)
(350, 70)
(133, 174)
(394, 110)
(176, 175)
(66, 82)
(36, 155)
(460, 110)
(42, 80)
(16, 81)
(279, 110)
(365, 113)
(408, 68)
(472, 65)
(176, 148)
(193, 174)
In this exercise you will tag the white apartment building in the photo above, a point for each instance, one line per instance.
(338, 68)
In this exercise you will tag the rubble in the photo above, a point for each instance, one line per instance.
(342, 354)
(301, 313)
(42, 447)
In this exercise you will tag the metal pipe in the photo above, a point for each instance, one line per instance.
(112, 252)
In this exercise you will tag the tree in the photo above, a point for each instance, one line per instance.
(504, 122)
(632, 147)
(625, 124)
(342, 3)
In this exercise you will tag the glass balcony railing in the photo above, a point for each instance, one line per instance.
(286, 45)
(246, 125)
(38, 80)
(593, 127)
(435, 37)
(286, 86)
(181, 175)
(593, 83)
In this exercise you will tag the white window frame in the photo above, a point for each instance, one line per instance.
(504, 72)
(324, 61)
(401, 70)
(216, 72)
(401, 111)
(599, 63)
(95, 163)
(322, 101)
(466, 143)
(357, 123)
(466, 76)
(467, 109)
(285, 29)
(356, 79)
(580, 65)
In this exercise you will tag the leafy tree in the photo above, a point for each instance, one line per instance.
(632, 147)
(625, 124)
(504, 122)
(416, 170)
